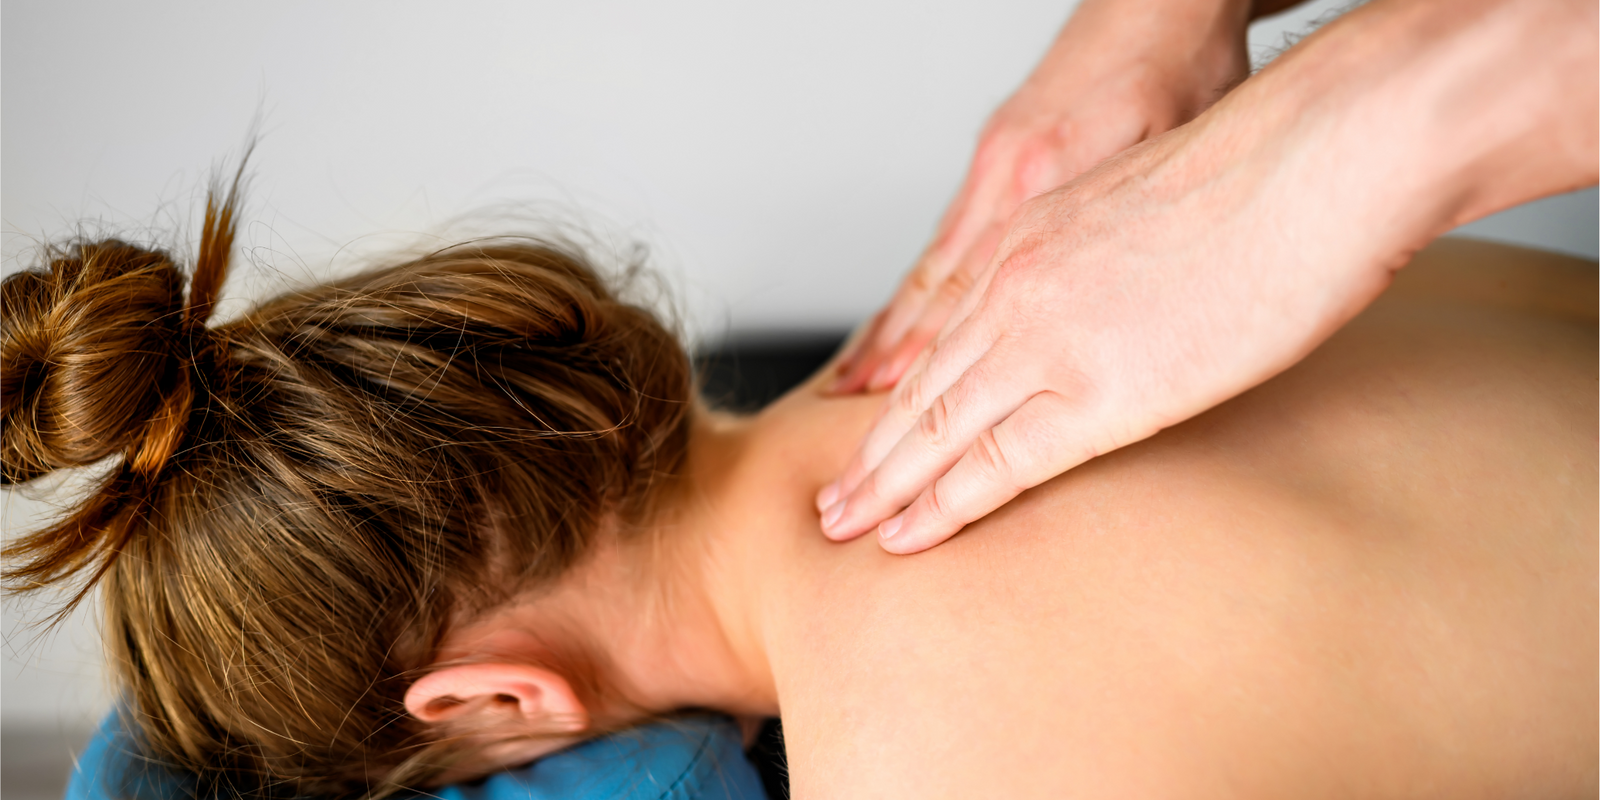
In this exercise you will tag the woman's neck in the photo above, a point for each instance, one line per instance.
(681, 616)
(723, 557)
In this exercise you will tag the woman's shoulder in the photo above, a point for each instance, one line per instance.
(1226, 587)
(1503, 276)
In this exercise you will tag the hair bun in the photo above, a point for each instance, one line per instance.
(89, 352)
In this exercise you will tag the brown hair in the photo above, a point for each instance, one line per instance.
(305, 496)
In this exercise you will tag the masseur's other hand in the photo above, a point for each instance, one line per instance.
(1204, 261)
(1119, 304)
(1118, 73)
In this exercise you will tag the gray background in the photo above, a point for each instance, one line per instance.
(784, 163)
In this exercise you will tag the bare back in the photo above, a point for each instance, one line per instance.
(1374, 575)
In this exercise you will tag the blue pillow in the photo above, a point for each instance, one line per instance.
(689, 758)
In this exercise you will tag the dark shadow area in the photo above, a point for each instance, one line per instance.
(770, 760)
(750, 369)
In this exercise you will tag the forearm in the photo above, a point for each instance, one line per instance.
(1513, 101)
(1406, 118)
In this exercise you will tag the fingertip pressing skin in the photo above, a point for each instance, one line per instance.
(916, 529)
(852, 505)
(832, 503)
(847, 377)
(937, 513)
(845, 519)
(827, 497)
(938, 438)
(889, 528)
(830, 519)
(898, 361)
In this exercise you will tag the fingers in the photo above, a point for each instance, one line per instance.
(968, 235)
(1031, 446)
(851, 353)
(883, 435)
(945, 300)
(963, 345)
(922, 432)
(888, 326)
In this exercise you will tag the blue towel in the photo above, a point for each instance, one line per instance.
(688, 758)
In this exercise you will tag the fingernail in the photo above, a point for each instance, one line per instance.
(832, 515)
(890, 527)
(828, 496)
(879, 375)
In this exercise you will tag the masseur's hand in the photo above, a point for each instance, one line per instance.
(1204, 261)
(1119, 72)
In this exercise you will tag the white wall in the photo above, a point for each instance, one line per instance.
(783, 161)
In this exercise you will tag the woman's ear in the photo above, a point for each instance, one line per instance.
(529, 698)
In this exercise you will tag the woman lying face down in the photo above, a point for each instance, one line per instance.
(312, 496)
(452, 514)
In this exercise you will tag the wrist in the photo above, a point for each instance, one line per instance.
(1194, 49)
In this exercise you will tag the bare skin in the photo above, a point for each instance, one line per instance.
(1208, 259)
(1374, 575)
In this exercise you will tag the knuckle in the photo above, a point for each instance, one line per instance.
(1074, 393)
(921, 279)
(1036, 215)
(1017, 265)
(936, 502)
(956, 284)
(934, 424)
(991, 458)
(919, 362)
(1023, 294)
(910, 402)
